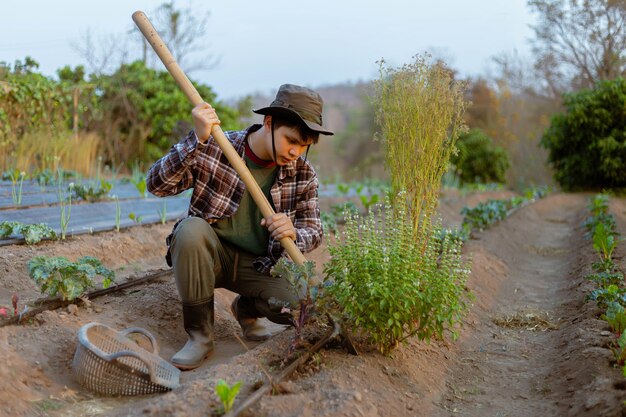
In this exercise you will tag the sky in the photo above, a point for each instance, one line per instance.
(262, 44)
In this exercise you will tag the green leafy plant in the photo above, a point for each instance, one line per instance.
(487, 213)
(135, 218)
(33, 233)
(604, 296)
(66, 207)
(306, 285)
(92, 192)
(604, 279)
(163, 213)
(604, 242)
(58, 275)
(585, 143)
(385, 285)
(619, 350)
(616, 317)
(329, 222)
(479, 160)
(17, 177)
(140, 184)
(227, 393)
(118, 212)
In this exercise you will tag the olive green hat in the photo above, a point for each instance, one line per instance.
(298, 102)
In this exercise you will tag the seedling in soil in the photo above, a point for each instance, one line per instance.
(616, 317)
(604, 241)
(140, 184)
(66, 207)
(135, 218)
(16, 192)
(33, 233)
(163, 213)
(303, 281)
(227, 393)
(58, 275)
(118, 212)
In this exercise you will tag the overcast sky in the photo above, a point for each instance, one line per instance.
(262, 44)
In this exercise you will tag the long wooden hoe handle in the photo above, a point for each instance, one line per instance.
(144, 25)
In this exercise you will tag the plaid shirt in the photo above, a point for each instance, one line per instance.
(217, 189)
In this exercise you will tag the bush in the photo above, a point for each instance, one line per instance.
(587, 144)
(385, 285)
(479, 160)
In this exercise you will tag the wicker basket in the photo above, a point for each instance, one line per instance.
(109, 363)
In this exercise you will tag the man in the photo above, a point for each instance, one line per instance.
(224, 242)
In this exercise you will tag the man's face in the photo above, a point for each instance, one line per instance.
(289, 144)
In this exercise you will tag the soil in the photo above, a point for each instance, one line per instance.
(530, 345)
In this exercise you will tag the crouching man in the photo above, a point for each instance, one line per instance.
(225, 242)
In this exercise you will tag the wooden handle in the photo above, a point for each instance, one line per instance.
(151, 35)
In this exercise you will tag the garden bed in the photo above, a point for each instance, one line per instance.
(527, 271)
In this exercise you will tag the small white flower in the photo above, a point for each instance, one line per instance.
(71, 185)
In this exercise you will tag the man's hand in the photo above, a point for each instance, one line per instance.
(204, 117)
(279, 226)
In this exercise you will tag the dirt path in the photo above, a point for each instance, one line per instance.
(524, 353)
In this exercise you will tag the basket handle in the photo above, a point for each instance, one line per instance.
(153, 342)
(153, 376)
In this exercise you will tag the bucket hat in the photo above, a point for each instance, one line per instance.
(300, 103)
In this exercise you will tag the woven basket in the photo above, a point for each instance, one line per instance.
(107, 362)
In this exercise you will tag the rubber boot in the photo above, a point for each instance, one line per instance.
(250, 326)
(198, 321)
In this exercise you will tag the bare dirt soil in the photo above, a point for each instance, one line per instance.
(530, 345)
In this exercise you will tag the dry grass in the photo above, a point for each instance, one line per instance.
(38, 151)
(528, 320)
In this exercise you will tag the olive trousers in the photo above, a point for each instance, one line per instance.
(202, 262)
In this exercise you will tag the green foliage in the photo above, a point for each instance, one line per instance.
(616, 317)
(58, 275)
(92, 192)
(329, 222)
(227, 393)
(604, 279)
(587, 144)
(140, 185)
(604, 241)
(135, 218)
(33, 233)
(604, 296)
(489, 212)
(144, 110)
(305, 285)
(385, 284)
(479, 160)
(620, 350)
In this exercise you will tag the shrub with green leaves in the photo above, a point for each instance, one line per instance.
(586, 144)
(479, 160)
(33, 233)
(385, 285)
(59, 275)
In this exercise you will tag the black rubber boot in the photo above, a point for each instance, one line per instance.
(198, 321)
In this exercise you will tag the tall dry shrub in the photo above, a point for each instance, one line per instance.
(420, 113)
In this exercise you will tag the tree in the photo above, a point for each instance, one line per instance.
(479, 160)
(579, 42)
(587, 143)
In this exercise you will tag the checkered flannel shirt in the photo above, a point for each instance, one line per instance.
(217, 189)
